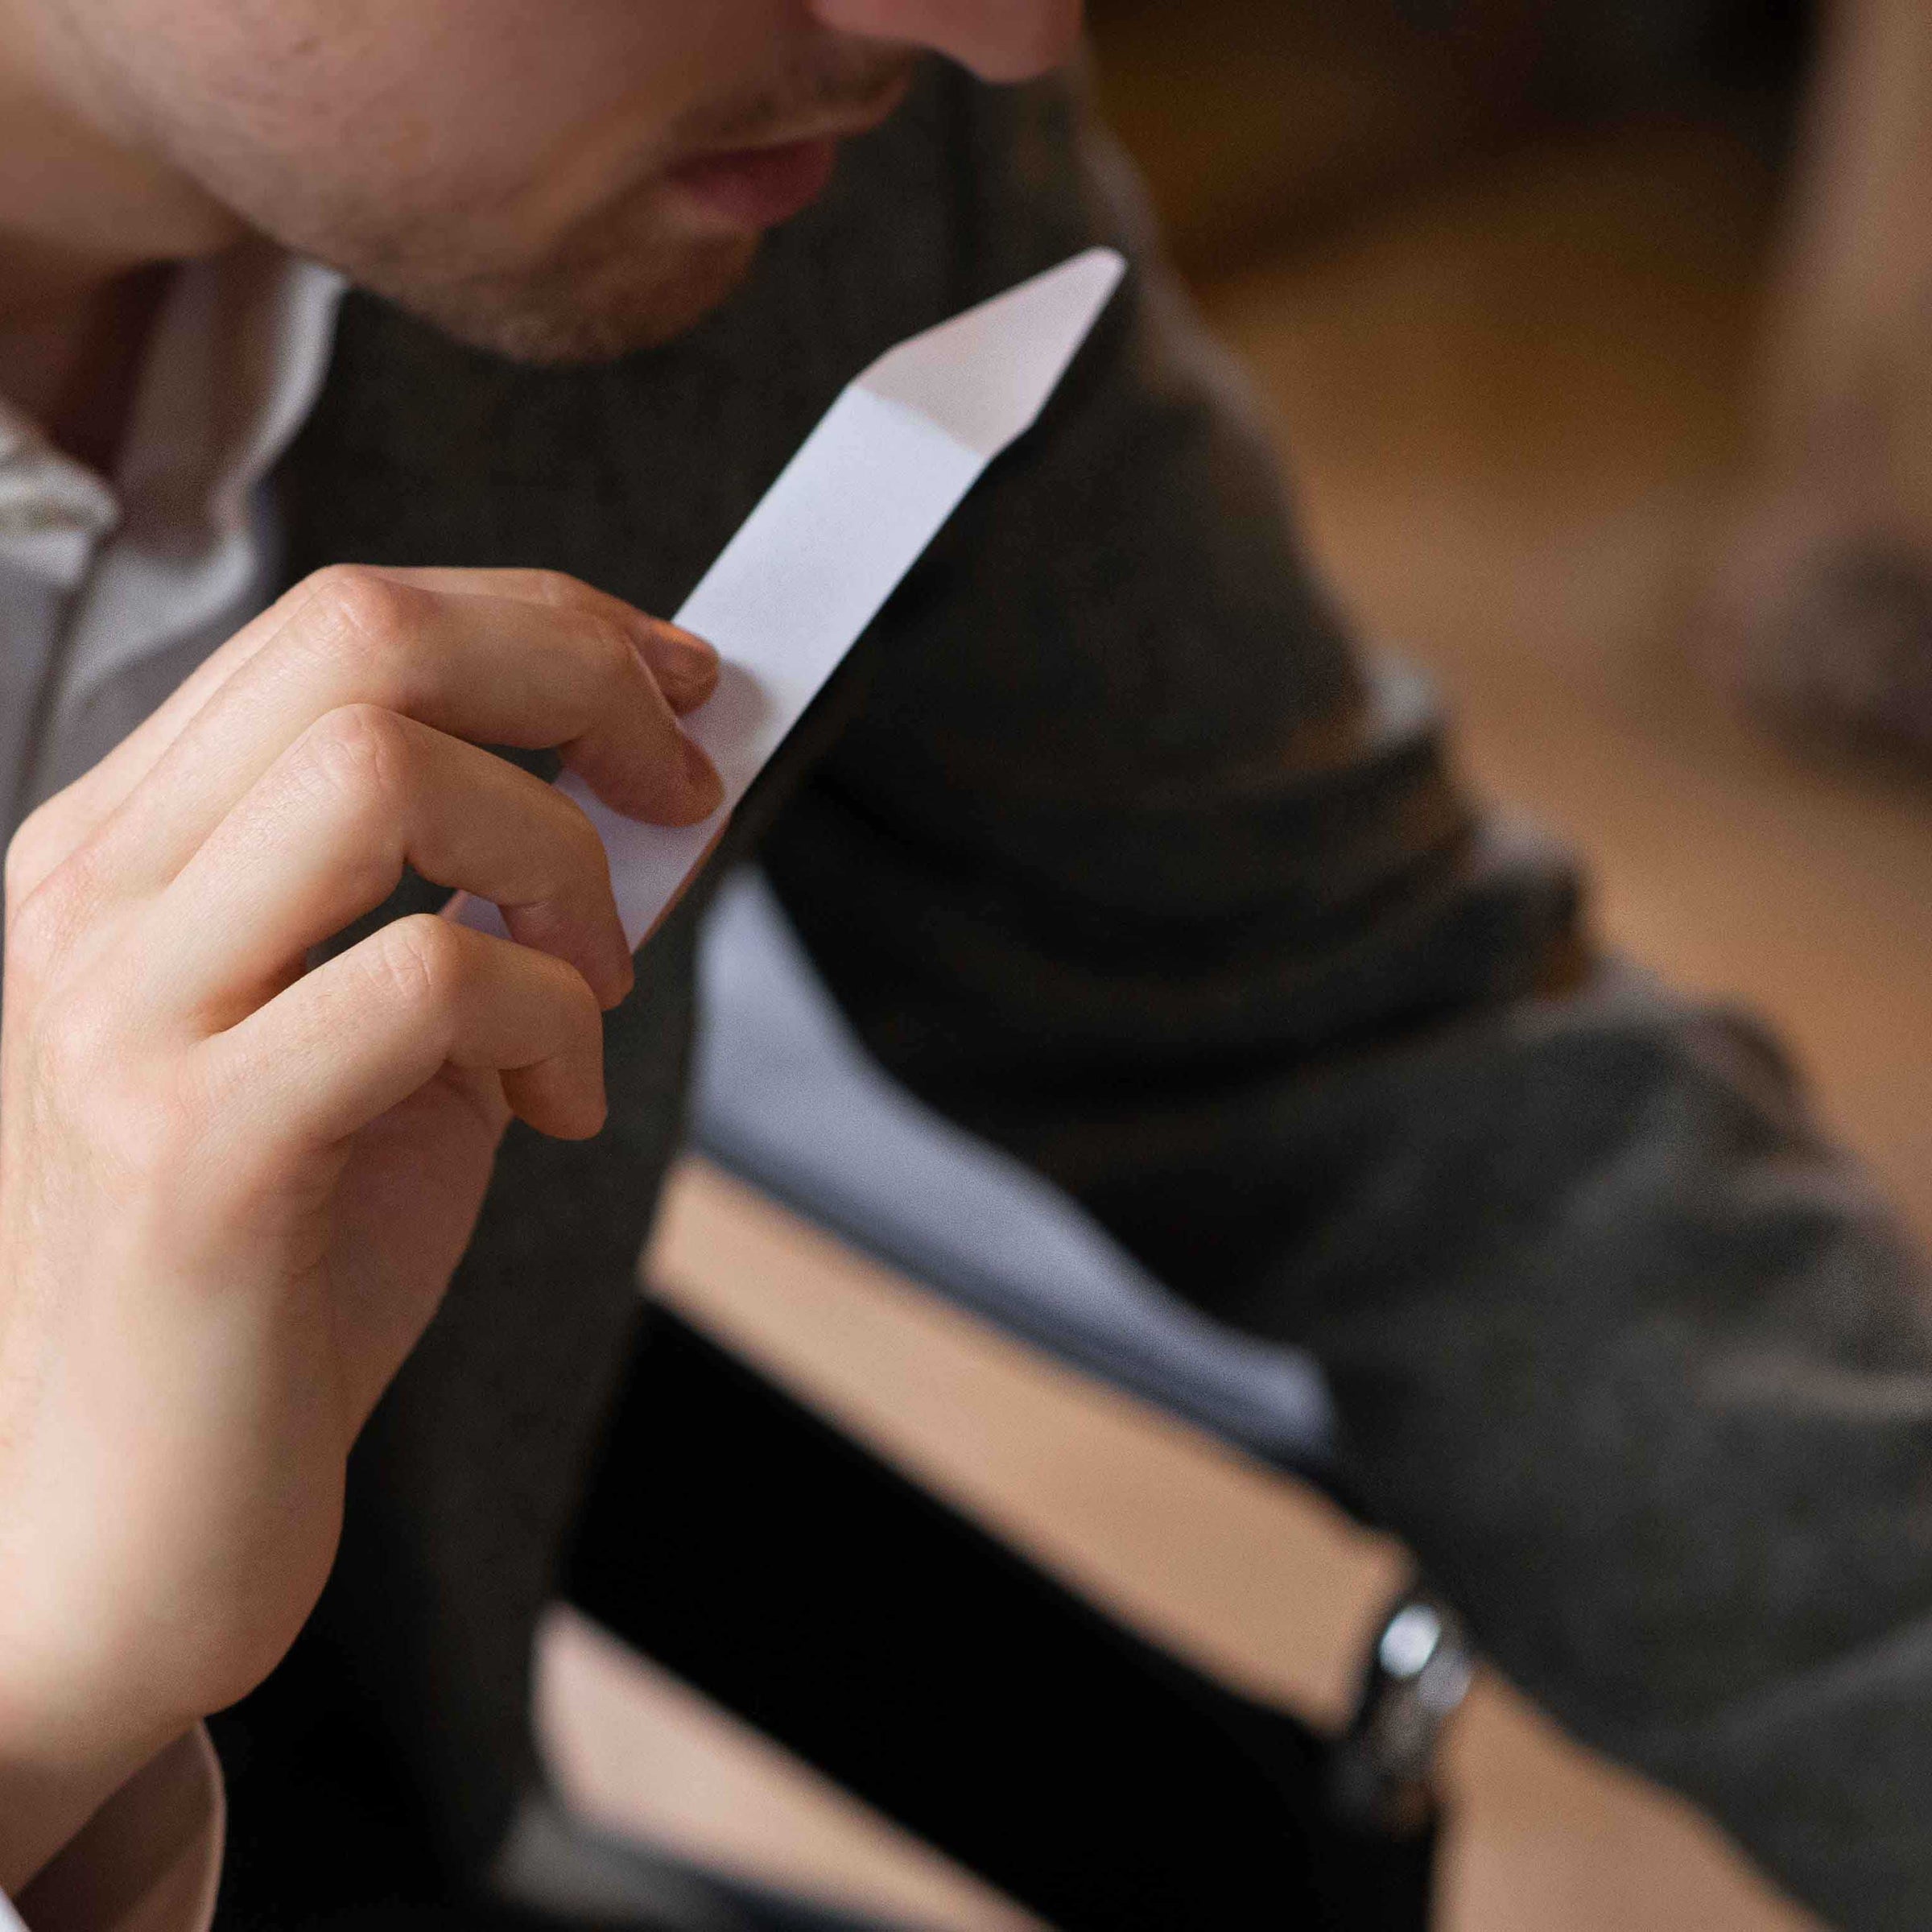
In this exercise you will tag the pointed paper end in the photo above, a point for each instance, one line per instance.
(985, 376)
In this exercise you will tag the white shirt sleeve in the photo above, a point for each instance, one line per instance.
(149, 1860)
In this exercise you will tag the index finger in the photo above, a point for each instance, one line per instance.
(490, 669)
(684, 666)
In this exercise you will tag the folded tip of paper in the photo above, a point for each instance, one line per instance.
(1017, 347)
(850, 514)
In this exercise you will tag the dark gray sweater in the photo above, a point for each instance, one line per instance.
(1116, 850)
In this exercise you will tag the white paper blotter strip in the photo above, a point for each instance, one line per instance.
(850, 515)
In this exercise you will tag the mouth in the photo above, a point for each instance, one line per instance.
(759, 186)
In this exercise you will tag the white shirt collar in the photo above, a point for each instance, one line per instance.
(239, 353)
(53, 510)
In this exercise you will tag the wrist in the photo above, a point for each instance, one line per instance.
(73, 1732)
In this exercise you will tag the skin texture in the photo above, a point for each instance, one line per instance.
(505, 169)
(232, 1189)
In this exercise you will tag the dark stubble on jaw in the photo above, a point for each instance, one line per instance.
(624, 278)
(608, 295)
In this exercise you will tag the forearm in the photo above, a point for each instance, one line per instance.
(1134, 867)
(1642, 1370)
(1638, 1367)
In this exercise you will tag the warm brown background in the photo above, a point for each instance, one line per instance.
(1508, 355)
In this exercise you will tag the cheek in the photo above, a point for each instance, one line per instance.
(563, 109)
(493, 90)
(450, 98)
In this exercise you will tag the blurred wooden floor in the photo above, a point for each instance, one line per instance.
(1511, 405)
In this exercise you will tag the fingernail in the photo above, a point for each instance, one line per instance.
(685, 665)
(701, 785)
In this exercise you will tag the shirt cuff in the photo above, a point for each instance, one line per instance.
(149, 1860)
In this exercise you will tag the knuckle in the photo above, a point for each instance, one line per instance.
(32, 853)
(613, 657)
(421, 960)
(352, 587)
(37, 923)
(559, 589)
(125, 1106)
(78, 1045)
(363, 613)
(360, 753)
(45, 909)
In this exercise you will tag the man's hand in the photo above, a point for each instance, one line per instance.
(232, 1189)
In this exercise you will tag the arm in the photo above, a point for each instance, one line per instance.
(1130, 863)
(231, 1189)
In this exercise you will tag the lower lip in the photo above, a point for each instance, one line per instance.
(760, 186)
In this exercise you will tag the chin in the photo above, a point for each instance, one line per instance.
(583, 313)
